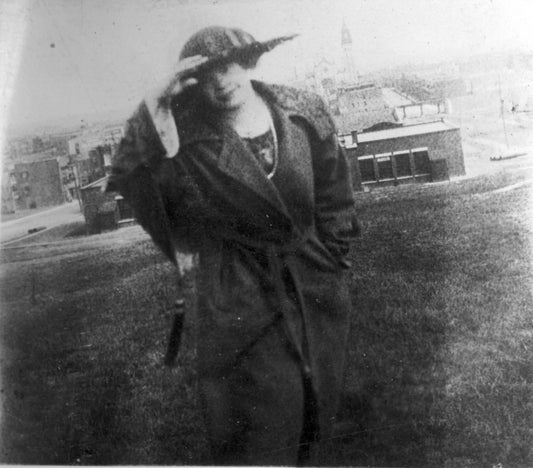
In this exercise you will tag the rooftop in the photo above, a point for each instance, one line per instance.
(403, 131)
(407, 130)
(348, 122)
(100, 183)
(366, 105)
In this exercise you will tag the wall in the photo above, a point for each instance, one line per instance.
(444, 145)
(8, 202)
(97, 203)
(37, 184)
(361, 108)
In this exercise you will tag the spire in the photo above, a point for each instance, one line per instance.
(346, 43)
(346, 37)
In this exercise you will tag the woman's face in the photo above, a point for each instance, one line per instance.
(225, 86)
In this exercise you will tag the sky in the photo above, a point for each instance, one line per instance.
(72, 57)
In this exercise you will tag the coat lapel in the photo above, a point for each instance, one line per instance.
(237, 161)
(294, 178)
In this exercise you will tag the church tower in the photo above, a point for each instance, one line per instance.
(346, 43)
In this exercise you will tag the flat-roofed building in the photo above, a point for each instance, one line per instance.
(104, 210)
(396, 154)
(32, 184)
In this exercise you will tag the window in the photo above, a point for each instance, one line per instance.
(403, 164)
(366, 166)
(384, 166)
(421, 160)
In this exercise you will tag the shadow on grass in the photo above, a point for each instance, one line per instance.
(56, 396)
(83, 381)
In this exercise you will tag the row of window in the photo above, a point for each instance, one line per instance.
(395, 165)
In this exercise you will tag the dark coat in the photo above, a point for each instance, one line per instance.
(259, 240)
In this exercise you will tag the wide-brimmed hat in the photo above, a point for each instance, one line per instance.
(221, 44)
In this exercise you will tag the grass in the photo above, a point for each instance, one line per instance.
(445, 318)
(83, 335)
(440, 360)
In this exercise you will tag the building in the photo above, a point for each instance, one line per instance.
(360, 107)
(59, 141)
(91, 151)
(8, 198)
(432, 86)
(112, 134)
(32, 184)
(104, 210)
(393, 154)
(19, 146)
(347, 49)
(422, 110)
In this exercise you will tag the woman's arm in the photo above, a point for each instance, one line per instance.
(150, 136)
(335, 217)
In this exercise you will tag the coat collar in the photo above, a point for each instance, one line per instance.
(237, 162)
(299, 104)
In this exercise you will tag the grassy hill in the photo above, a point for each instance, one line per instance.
(440, 361)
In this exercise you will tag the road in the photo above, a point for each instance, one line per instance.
(17, 229)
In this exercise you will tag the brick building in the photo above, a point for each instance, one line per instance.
(104, 210)
(423, 152)
(360, 107)
(33, 184)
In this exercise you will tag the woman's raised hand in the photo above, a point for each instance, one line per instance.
(183, 76)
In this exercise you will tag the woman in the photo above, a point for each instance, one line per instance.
(251, 177)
